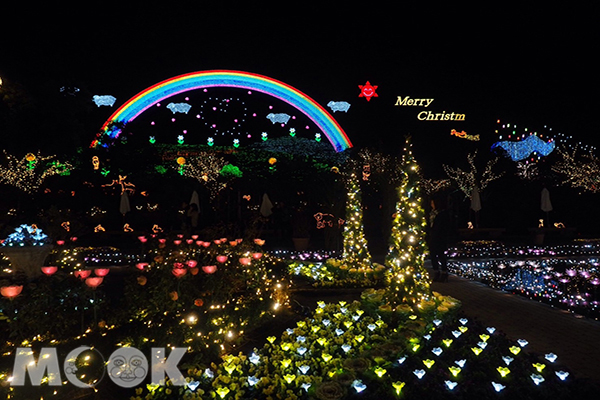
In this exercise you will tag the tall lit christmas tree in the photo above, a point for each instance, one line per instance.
(407, 279)
(356, 251)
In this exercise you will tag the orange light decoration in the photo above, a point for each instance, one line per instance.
(209, 269)
(95, 163)
(179, 272)
(11, 292)
(245, 261)
(82, 273)
(257, 256)
(94, 281)
(99, 228)
(49, 270)
(156, 228)
(127, 228)
(259, 242)
(272, 160)
(141, 265)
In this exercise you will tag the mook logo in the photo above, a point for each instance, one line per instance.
(127, 367)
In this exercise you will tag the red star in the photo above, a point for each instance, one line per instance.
(367, 91)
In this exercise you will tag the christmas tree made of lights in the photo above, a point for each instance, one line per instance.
(356, 251)
(407, 279)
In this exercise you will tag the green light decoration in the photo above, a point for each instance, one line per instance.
(152, 139)
(292, 132)
(231, 171)
(318, 137)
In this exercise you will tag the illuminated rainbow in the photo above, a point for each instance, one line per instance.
(224, 78)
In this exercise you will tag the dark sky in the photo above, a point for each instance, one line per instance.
(525, 65)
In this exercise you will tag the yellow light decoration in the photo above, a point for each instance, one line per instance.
(359, 338)
(539, 366)
(503, 371)
(322, 341)
(229, 368)
(181, 160)
(463, 329)
(515, 350)
(326, 357)
(286, 362)
(398, 386)
(429, 363)
(285, 346)
(454, 370)
(271, 339)
(484, 337)
(289, 378)
(222, 391)
(447, 342)
(380, 371)
(272, 160)
(476, 350)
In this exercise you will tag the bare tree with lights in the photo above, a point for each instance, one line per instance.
(29, 172)
(470, 179)
(583, 172)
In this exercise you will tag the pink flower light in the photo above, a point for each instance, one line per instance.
(94, 281)
(11, 291)
(179, 272)
(82, 273)
(209, 269)
(222, 259)
(245, 261)
(101, 271)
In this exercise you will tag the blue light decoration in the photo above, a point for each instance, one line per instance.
(182, 108)
(339, 106)
(26, 235)
(104, 100)
(520, 150)
(279, 118)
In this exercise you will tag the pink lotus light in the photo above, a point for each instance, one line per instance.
(239, 240)
(101, 271)
(60, 242)
(162, 240)
(257, 256)
(209, 269)
(221, 259)
(233, 243)
(82, 273)
(178, 265)
(217, 241)
(595, 281)
(49, 270)
(179, 272)
(142, 239)
(73, 239)
(141, 265)
(245, 261)
(585, 274)
(94, 281)
(571, 272)
(192, 263)
(180, 236)
(11, 291)
(177, 242)
(189, 241)
(206, 244)
(195, 237)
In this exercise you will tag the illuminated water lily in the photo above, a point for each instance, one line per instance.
(286, 362)
(503, 371)
(437, 351)
(551, 357)
(454, 370)
(315, 328)
(285, 346)
(343, 310)
(306, 386)
(356, 317)
(460, 363)
(463, 329)
(252, 380)
(346, 348)
(429, 363)
(193, 385)
(358, 386)
(301, 339)
(522, 342)
(398, 386)
(437, 322)
(347, 324)
(416, 347)
(271, 339)
(463, 321)
(339, 332)
(208, 373)
(427, 337)
(447, 342)
(301, 324)
(322, 341)
(456, 333)
(491, 330)
(359, 338)
(483, 345)
(229, 368)
(419, 373)
(498, 387)
(326, 357)
(372, 327)
(301, 350)
(537, 379)
(562, 375)
(484, 337)
(450, 385)
(326, 322)
(401, 360)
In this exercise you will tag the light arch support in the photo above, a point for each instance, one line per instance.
(225, 78)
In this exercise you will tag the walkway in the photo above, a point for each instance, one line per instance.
(576, 341)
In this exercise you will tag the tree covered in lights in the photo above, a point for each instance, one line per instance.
(29, 172)
(407, 280)
(356, 251)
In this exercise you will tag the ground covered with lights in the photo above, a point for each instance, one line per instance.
(234, 307)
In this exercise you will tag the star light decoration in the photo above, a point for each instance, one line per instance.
(367, 91)
(28, 173)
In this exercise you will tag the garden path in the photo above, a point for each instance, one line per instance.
(575, 340)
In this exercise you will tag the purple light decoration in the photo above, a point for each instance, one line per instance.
(571, 272)
(595, 281)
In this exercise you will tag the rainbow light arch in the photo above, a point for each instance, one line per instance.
(226, 78)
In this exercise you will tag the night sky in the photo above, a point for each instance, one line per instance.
(526, 66)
